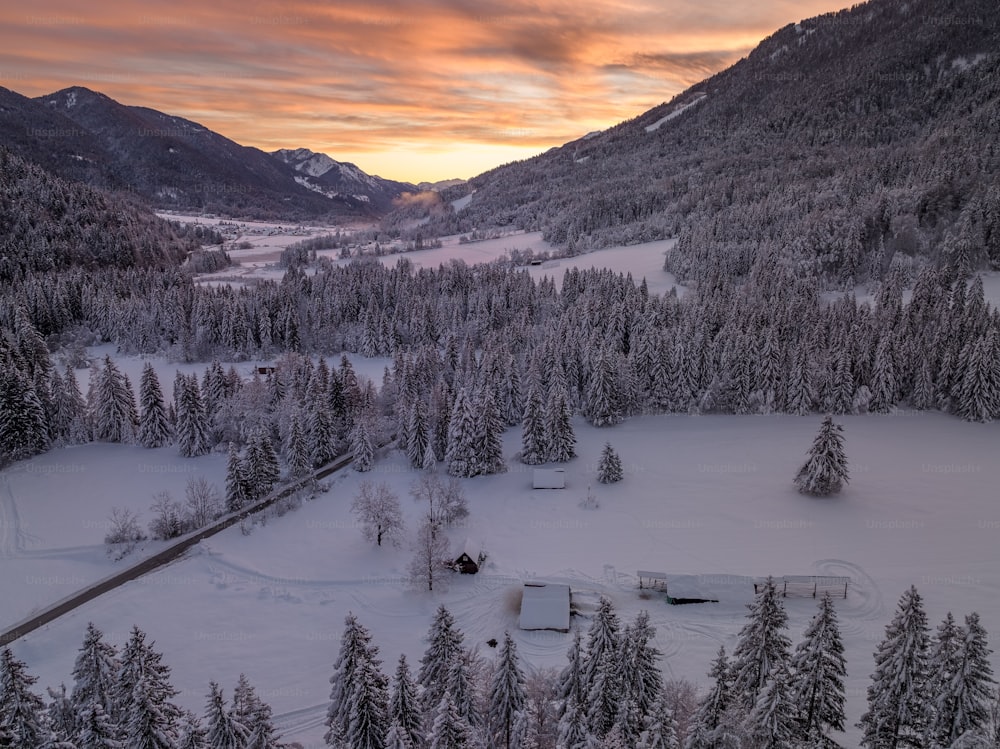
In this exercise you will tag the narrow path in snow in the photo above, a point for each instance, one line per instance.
(11, 541)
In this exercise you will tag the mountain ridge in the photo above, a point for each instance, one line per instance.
(840, 146)
(174, 163)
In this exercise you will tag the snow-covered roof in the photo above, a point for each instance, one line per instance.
(470, 547)
(545, 606)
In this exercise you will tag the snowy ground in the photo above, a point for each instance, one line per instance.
(706, 499)
(54, 508)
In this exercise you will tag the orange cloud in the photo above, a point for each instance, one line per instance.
(413, 91)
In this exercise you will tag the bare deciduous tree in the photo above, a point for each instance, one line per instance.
(377, 508)
(429, 564)
(202, 502)
(446, 501)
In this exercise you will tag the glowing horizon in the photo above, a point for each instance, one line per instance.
(444, 89)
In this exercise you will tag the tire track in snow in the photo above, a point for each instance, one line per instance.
(303, 719)
(864, 603)
(12, 535)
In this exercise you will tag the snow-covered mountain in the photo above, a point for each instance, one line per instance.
(332, 178)
(841, 146)
(170, 162)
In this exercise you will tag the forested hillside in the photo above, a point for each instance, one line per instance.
(841, 145)
(47, 223)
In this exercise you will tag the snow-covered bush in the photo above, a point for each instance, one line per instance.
(168, 520)
(123, 533)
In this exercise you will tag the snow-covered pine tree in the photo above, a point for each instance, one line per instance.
(191, 734)
(299, 452)
(150, 722)
(254, 714)
(222, 729)
(979, 389)
(964, 706)
(799, 392)
(818, 670)
(713, 707)
(571, 690)
(942, 666)
(488, 431)
(450, 731)
(641, 679)
(825, 472)
(609, 467)
(463, 689)
(773, 722)
(260, 467)
(660, 728)
(444, 645)
(604, 396)
(441, 399)
(534, 446)
(319, 424)
(841, 384)
(884, 384)
(94, 673)
(21, 710)
(418, 433)
(507, 694)
(461, 459)
(192, 429)
(363, 443)
(626, 731)
(61, 414)
(142, 694)
(601, 669)
(762, 646)
(396, 738)
(154, 429)
(897, 696)
(95, 730)
(60, 717)
(244, 701)
(574, 733)
(236, 483)
(368, 720)
(114, 405)
(404, 706)
(357, 654)
(561, 438)
(24, 427)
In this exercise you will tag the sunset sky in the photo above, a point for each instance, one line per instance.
(408, 89)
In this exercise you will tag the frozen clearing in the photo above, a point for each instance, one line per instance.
(708, 500)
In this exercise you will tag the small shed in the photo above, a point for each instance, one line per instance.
(548, 478)
(468, 557)
(545, 606)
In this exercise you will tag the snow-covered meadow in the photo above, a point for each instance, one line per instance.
(706, 499)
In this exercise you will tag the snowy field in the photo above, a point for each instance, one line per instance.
(641, 260)
(708, 500)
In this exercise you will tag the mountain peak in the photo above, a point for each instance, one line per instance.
(326, 175)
